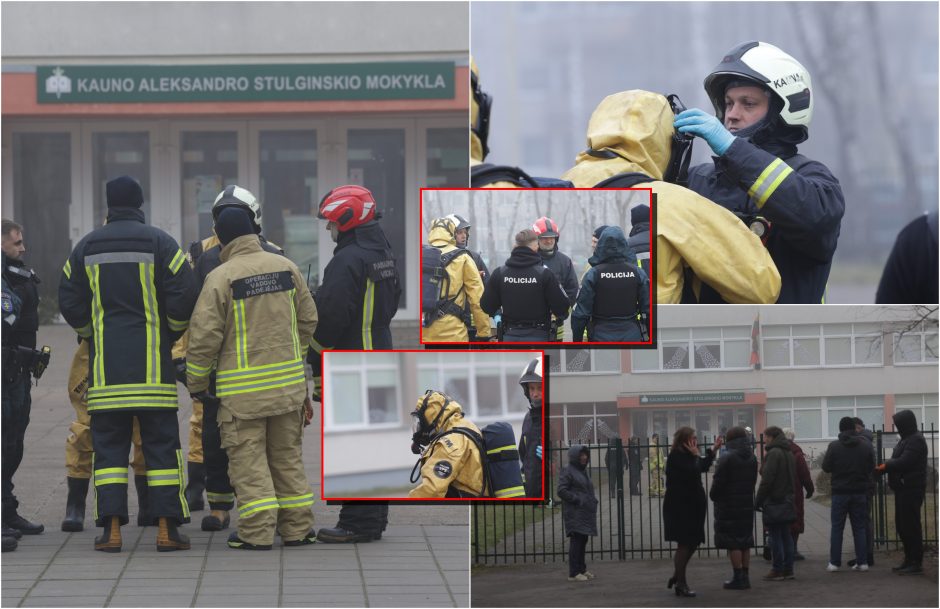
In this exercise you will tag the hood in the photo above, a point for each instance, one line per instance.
(848, 438)
(905, 422)
(368, 236)
(522, 257)
(125, 213)
(640, 227)
(612, 247)
(780, 442)
(548, 255)
(636, 126)
(439, 236)
(452, 412)
(741, 446)
(574, 452)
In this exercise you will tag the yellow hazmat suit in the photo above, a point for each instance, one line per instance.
(692, 231)
(450, 460)
(466, 288)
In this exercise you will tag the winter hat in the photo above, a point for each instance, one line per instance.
(846, 424)
(599, 230)
(233, 222)
(124, 192)
(640, 213)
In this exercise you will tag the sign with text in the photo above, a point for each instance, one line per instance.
(691, 398)
(229, 83)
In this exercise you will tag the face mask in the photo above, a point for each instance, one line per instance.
(421, 430)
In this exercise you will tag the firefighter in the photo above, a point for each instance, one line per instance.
(632, 132)
(558, 262)
(451, 465)
(614, 300)
(528, 292)
(530, 444)
(252, 320)
(127, 287)
(356, 301)
(208, 466)
(639, 238)
(462, 238)
(444, 322)
(763, 101)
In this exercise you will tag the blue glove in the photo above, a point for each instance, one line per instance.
(705, 126)
(538, 451)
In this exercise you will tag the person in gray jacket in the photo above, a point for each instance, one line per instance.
(579, 508)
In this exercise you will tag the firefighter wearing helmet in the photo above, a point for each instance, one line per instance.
(530, 444)
(763, 100)
(559, 263)
(356, 301)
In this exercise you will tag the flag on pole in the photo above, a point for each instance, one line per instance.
(755, 343)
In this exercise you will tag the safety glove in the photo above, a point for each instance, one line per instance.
(205, 397)
(179, 369)
(308, 411)
(705, 126)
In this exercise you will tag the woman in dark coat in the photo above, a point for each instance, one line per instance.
(804, 480)
(579, 508)
(733, 493)
(685, 504)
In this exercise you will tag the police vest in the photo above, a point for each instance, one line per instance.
(615, 290)
(522, 295)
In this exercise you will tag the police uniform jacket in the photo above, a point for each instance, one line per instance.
(805, 208)
(531, 463)
(24, 283)
(561, 265)
(127, 288)
(527, 291)
(466, 289)
(452, 459)
(359, 293)
(252, 320)
(639, 242)
(692, 232)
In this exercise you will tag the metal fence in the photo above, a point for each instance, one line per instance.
(629, 519)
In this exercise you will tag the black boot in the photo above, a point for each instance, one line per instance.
(75, 505)
(341, 535)
(144, 519)
(746, 578)
(195, 486)
(737, 581)
(9, 543)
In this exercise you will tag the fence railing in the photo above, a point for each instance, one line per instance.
(629, 518)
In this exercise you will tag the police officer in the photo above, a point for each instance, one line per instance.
(763, 100)
(12, 306)
(451, 465)
(614, 294)
(639, 238)
(127, 287)
(208, 463)
(253, 318)
(530, 444)
(527, 291)
(445, 321)
(356, 301)
(19, 344)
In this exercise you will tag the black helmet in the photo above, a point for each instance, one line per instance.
(532, 373)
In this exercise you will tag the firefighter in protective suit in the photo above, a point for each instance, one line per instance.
(451, 465)
(464, 289)
(614, 294)
(632, 131)
(251, 323)
(530, 444)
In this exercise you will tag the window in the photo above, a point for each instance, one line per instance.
(485, 384)
(923, 405)
(583, 361)
(916, 346)
(803, 415)
(791, 346)
(117, 154)
(852, 344)
(714, 348)
(447, 158)
(363, 391)
(209, 163)
(587, 423)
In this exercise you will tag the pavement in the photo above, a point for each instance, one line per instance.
(422, 560)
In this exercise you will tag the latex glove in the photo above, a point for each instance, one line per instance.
(538, 451)
(308, 411)
(882, 468)
(707, 127)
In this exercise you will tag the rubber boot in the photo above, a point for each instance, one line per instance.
(9, 543)
(746, 578)
(110, 539)
(216, 520)
(75, 505)
(737, 581)
(144, 519)
(195, 486)
(169, 538)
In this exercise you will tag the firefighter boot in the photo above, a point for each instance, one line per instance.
(144, 519)
(75, 505)
(195, 486)
(169, 538)
(216, 520)
(110, 540)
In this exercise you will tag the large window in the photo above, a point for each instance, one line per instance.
(815, 345)
(715, 348)
(818, 418)
(584, 423)
(486, 385)
(209, 163)
(916, 346)
(582, 361)
(363, 391)
(116, 154)
(869, 408)
(924, 406)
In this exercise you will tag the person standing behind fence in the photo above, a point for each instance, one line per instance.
(850, 460)
(733, 493)
(907, 477)
(685, 504)
(775, 499)
(579, 507)
(804, 480)
(635, 464)
(869, 495)
(656, 464)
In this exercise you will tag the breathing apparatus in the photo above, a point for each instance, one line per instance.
(423, 431)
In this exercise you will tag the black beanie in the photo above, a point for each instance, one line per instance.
(846, 424)
(599, 230)
(233, 222)
(639, 214)
(124, 192)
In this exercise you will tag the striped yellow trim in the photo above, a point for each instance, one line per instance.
(177, 261)
(297, 379)
(132, 390)
(295, 337)
(317, 346)
(163, 477)
(241, 334)
(368, 304)
(111, 475)
(752, 191)
(152, 328)
(97, 320)
(67, 269)
(501, 448)
(182, 487)
(197, 370)
(249, 371)
(769, 190)
(177, 326)
(94, 485)
(220, 497)
(259, 505)
(130, 404)
(297, 501)
(768, 181)
(512, 491)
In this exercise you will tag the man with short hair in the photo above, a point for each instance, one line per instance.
(850, 459)
(869, 495)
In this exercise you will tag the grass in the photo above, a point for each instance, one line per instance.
(504, 520)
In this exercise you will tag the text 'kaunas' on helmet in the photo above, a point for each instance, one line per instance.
(532, 373)
(236, 196)
(348, 207)
(764, 65)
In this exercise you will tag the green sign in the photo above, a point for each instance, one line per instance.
(690, 398)
(229, 83)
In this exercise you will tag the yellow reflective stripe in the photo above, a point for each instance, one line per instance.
(94, 485)
(111, 470)
(763, 176)
(253, 387)
(126, 399)
(150, 312)
(241, 347)
(84, 331)
(129, 404)
(769, 190)
(220, 497)
(179, 466)
(501, 448)
(368, 303)
(512, 491)
(67, 269)
(197, 370)
(293, 324)
(111, 475)
(163, 477)
(250, 371)
(317, 346)
(97, 319)
(177, 326)
(248, 382)
(297, 501)
(768, 181)
(269, 503)
(177, 261)
(132, 389)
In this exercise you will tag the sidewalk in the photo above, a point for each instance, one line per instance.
(422, 559)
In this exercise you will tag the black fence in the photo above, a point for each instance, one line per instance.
(629, 518)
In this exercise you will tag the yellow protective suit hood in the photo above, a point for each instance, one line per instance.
(451, 460)
(442, 233)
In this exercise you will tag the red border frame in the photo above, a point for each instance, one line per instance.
(652, 283)
(421, 500)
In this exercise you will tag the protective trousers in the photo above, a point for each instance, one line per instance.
(78, 448)
(195, 454)
(362, 517)
(111, 436)
(266, 467)
(16, 403)
(219, 490)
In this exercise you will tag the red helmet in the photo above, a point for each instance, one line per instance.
(347, 206)
(546, 227)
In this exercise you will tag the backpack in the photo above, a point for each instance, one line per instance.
(435, 284)
(486, 174)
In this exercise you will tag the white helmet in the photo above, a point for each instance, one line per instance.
(236, 196)
(765, 65)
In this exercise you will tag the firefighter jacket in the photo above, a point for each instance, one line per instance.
(451, 463)
(127, 288)
(804, 206)
(466, 289)
(529, 442)
(359, 293)
(252, 321)
(527, 291)
(613, 292)
(692, 232)
(563, 268)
